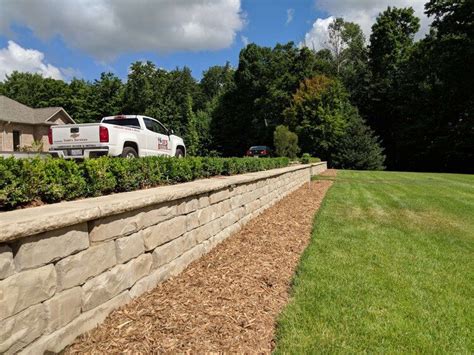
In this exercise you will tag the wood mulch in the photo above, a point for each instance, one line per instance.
(228, 300)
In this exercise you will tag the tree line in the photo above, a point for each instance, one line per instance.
(386, 101)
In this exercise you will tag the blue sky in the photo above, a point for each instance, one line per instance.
(91, 45)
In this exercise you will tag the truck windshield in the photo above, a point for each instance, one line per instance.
(129, 122)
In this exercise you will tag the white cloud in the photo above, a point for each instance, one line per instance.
(290, 13)
(318, 36)
(362, 12)
(245, 40)
(14, 57)
(106, 28)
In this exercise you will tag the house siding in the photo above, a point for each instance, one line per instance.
(28, 133)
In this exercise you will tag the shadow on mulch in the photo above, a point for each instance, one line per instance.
(226, 301)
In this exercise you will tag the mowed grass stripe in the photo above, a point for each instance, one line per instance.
(390, 268)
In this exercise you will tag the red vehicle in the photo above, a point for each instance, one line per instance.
(259, 151)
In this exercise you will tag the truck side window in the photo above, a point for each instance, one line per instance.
(154, 126)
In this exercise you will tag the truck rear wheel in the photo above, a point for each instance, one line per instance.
(129, 152)
(179, 153)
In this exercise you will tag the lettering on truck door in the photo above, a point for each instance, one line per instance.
(158, 142)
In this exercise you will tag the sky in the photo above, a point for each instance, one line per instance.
(63, 39)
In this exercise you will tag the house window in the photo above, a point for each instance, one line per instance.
(16, 140)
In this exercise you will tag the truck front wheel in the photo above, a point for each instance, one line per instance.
(129, 152)
(179, 153)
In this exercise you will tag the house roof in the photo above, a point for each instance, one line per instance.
(13, 111)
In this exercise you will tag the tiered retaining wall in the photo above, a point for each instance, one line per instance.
(65, 267)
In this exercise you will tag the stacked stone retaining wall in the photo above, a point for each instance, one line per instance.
(65, 267)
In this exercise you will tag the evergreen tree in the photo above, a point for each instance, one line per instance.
(358, 148)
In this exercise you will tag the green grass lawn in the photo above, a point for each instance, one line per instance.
(390, 268)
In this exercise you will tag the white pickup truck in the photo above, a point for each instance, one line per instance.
(127, 136)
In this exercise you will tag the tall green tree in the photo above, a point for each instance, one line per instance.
(35, 91)
(264, 82)
(323, 117)
(107, 94)
(391, 45)
(138, 92)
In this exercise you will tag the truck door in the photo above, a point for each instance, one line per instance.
(157, 139)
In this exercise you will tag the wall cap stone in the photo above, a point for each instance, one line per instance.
(27, 222)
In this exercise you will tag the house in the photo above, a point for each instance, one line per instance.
(22, 126)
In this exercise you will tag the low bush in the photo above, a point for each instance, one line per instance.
(306, 159)
(24, 181)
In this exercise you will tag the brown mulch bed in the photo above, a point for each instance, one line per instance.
(226, 301)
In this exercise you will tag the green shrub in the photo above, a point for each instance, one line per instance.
(285, 142)
(23, 181)
(306, 159)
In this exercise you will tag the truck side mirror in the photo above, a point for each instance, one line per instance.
(170, 131)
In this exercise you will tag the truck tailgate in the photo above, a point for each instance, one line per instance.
(76, 135)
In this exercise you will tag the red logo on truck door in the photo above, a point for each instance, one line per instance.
(162, 144)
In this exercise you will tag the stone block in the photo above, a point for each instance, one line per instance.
(192, 220)
(229, 219)
(50, 246)
(203, 201)
(25, 289)
(170, 251)
(206, 231)
(7, 267)
(252, 206)
(57, 341)
(180, 263)
(219, 196)
(191, 205)
(129, 247)
(21, 329)
(224, 207)
(151, 281)
(109, 284)
(76, 269)
(164, 232)
(63, 308)
(129, 222)
(208, 214)
(236, 201)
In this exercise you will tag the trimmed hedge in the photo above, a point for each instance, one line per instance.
(306, 159)
(27, 181)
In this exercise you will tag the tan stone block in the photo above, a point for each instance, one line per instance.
(129, 222)
(7, 267)
(204, 201)
(76, 269)
(191, 205)
(224, 207)
(208, 214)
(63, 308)
(26, 288)
(164, 232)
(129, 247)
(170, 251)
(229, 219)
(21, 329)
(252, 206)
(180, 263)
(236, 201)
(192, 220)
(109, 284)
(219, 196)
(51, 246)
(151, 281)
(57, 341)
